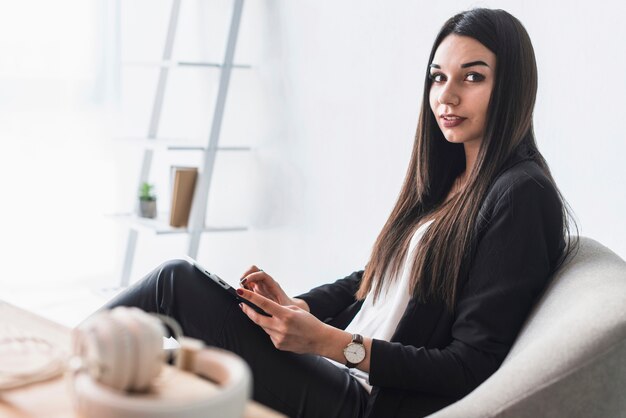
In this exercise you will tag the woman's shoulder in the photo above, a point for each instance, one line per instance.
(520, 173)
(523, 182)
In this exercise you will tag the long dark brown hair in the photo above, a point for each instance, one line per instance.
(445, 248)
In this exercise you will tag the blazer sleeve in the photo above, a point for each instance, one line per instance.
(512, 264)
(328, 300)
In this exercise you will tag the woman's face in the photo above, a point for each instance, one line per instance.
(462, 74)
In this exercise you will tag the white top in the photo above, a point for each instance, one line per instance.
(380, 319)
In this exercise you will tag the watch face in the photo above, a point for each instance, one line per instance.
(355, 353)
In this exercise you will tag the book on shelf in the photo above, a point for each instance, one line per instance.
(183, 185)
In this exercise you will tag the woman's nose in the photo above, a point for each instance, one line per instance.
(448, 96)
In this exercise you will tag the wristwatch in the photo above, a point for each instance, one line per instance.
(355, 351)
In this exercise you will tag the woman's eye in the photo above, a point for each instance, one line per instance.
(474, 77)
(436, 78)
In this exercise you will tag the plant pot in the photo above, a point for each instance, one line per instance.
(147, 208)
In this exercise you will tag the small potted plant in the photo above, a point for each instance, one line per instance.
(147, 201)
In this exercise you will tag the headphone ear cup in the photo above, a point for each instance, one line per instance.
(122, 348)
(123, 344)
(154, 354)
(148, 333)
(131, 353)
(98, 343)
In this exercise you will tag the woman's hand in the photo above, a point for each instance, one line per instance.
(258, 281)
(294, 329)
(290, 327)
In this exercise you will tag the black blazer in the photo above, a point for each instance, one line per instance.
(435, 358)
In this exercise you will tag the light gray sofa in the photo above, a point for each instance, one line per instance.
(570, 357)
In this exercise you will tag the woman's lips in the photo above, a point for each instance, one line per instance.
(452, 121)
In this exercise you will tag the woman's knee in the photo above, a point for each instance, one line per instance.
(156, 290)
(176, 271)
(176, 265)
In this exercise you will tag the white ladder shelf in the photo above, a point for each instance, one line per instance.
(196, 225)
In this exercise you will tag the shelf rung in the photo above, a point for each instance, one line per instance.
(181, 64)
(177, 144)
(225, 229)
(161, 226)
(203, 148)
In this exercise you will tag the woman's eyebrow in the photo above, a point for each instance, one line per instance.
(473, 63)
(467, 64)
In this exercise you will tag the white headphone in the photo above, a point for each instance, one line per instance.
(122, 354)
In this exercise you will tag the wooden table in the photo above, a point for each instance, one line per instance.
(51, 399)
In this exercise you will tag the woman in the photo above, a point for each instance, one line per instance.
(477, 231)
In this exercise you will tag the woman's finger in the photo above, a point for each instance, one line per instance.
(262, 283)
(261, 320)
(269, 306)
(255, 277)
(252, 269)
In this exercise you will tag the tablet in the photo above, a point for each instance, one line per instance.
(223, 285)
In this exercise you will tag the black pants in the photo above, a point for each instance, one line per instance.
(297, 385)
